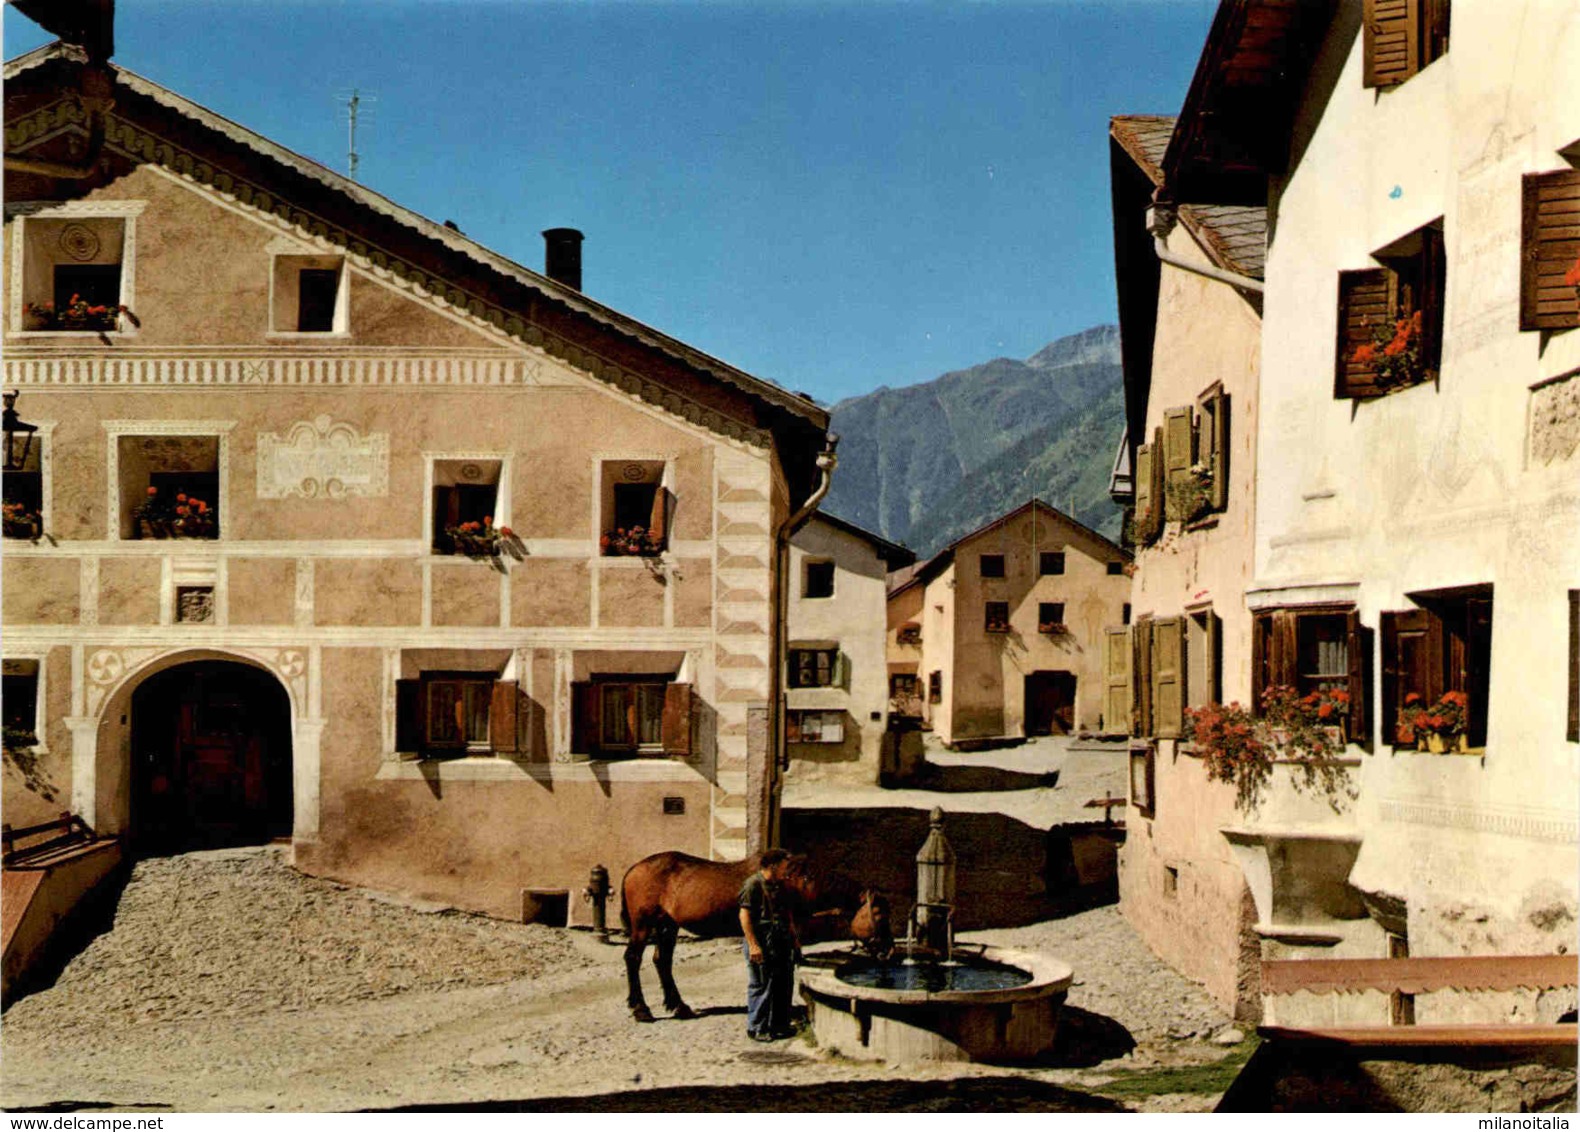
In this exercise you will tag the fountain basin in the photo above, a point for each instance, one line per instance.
(902, 1019)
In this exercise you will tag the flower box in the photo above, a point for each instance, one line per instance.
(484, 541)
(1443, 744)
(1394, 355)
(996, 627)
(20, 521)
(182, 517)
(1053, 628)
(1440, 728)
(637, 542)
(75, 315)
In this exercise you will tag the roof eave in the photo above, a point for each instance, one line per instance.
(814, 415)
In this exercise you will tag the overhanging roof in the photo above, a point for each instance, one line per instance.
(1235, 126)
(445, 252)
(1233, 236)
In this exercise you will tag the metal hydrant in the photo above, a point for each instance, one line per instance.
(597, 894)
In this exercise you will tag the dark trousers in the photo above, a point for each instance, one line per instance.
(768, 987)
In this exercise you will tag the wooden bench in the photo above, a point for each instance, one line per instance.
(33, 844)
(1403, 979)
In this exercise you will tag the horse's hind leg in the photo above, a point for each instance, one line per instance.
(663, 959)
(633, 973)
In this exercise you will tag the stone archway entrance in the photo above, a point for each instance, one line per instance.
(211, 758)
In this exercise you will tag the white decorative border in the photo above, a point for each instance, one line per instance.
(1534, 825)
(666, 560)
(40, 655)
(44, 438)
(126, 211)
(373, 446)
(114, 430)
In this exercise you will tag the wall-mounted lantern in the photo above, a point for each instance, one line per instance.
(18, 435)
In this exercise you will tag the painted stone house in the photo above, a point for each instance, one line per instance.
(1190, 333)
(1416, 523)
(357, 533)
(836, 675)
(1005, 628)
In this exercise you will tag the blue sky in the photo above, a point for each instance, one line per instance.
(830, 195)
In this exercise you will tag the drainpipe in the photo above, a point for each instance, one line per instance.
(1161, 218)
(779, 761)
(95, 98)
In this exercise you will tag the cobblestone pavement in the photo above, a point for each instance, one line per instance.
(231, 982)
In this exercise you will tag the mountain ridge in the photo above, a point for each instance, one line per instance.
(925, 463)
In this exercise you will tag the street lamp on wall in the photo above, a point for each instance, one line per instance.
(18, 435)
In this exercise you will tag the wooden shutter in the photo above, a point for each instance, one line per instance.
(1220, 450)
(503, 718)
(1366, 299)
(1550, 246)
(1168, 669)
(841, 673)
(1478, 655)
(676, 728)
(1179, 437)
(1144, 498)
(658, 520)
(1178, 442)
(1159, 468)
(1358, 640)
(586, 717)
(1116, 680)
(1411, 662)
(1392, 32)
(1261, 657)
(1141, 679)
(1433, 280)
(1286, 650)
(1212, 662)
(409, 729)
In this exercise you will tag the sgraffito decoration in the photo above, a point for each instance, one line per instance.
(322, 459)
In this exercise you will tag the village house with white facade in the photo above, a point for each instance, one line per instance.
(1401, 366)
(836, 675)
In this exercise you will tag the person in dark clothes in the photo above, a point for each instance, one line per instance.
(771, 949)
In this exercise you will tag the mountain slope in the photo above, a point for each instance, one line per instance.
(926, 463)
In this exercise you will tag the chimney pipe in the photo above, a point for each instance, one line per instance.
(562, 256)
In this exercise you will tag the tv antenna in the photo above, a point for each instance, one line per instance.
(359, 109)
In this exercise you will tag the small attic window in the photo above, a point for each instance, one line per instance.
(309, 295)
(72, 277)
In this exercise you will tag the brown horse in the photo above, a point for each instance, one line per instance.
(668, 891)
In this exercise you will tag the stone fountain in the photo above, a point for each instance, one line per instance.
(936, 999)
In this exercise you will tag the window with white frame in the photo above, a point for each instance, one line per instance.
(632, 715)
(20, 701)
(23, 491)
(478, 710)
(635, 508)
(75, 264)
(467, 509)
(308, 295)
(168, 485)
